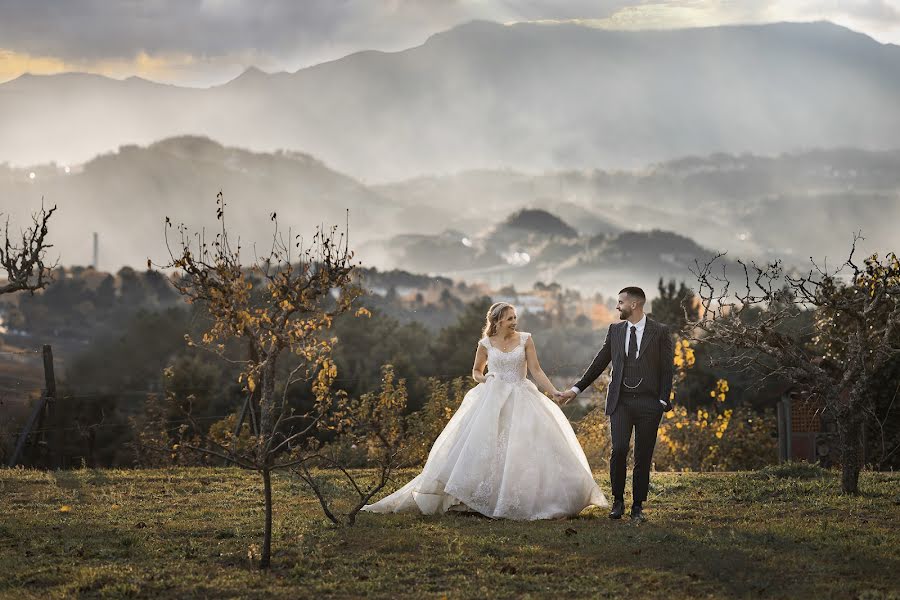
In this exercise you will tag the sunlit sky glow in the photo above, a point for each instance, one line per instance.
(206, 42)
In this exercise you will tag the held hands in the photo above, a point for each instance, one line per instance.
(564, 397)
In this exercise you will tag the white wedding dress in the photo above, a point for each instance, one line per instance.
(508, 452)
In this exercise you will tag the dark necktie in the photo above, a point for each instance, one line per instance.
(632, 344)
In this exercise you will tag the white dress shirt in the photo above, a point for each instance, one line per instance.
(639, 332)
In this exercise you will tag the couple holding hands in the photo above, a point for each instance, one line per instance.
(509, 452)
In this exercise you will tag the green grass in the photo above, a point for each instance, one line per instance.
(193, 533)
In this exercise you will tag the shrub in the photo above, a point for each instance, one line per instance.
(715, 438)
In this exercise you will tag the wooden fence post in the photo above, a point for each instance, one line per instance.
(782, 446)
(54, 454)
(785, 435)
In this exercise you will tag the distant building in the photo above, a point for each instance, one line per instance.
(532, 303)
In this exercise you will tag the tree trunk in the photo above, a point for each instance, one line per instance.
(266, 426)
(267, 536)
(850, 429)
(266, 408)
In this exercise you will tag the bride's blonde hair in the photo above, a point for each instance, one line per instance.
(494, 314)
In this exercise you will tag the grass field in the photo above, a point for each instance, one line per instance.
(194, 533)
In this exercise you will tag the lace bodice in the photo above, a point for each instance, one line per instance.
(507, 366)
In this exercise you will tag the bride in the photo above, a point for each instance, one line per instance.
(508, 452)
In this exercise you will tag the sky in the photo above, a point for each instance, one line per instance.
(207, 42)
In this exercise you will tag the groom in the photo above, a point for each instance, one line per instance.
(642, 356)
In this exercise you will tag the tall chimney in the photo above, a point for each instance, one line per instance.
(96, 252)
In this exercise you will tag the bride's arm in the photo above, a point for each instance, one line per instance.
(480, 362)
(534, 367)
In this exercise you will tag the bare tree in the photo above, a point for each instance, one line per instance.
(23, 262)
(281, 306)
(855, 327)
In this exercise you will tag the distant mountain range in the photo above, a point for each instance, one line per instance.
(535, 245)
(528, 97)
(577, 227)
(792, 206)
(125, 196)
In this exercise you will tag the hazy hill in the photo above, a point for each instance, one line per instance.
(126, 195)
(791, 206)
(526, 96)
(534, 245)
(534, 222)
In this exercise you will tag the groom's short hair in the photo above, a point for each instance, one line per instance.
(635, 292)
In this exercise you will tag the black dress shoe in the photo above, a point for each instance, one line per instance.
(637, 513)
(618, 509)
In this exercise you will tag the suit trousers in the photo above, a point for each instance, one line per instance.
(642, 413)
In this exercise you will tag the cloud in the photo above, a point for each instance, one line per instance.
(13, 64)
(115, 29)
(877, 18)
(679, 14)
(208, 41)
(219, 36)
(104, 29)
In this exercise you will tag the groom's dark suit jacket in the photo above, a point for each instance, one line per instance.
(655, 361)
